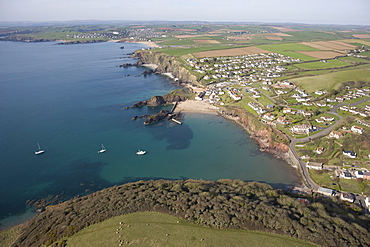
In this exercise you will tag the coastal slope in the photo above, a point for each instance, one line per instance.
(225, 204)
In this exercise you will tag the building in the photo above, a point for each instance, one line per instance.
(356, 129)
(269, 116)
(347, 197)
(326, 191)
(315, 166)
(319, 150)
(287, 110)
(336, 134)
(359, 174)
(283, 121)
(346, 175)
(350, 154)
(302, 129)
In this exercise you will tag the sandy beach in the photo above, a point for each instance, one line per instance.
(196, 106)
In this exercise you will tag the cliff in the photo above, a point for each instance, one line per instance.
(166, 64)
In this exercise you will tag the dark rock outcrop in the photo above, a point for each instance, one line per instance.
(157, 117)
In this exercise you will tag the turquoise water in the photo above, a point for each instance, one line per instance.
(70, 99)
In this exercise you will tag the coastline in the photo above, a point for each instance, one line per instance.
(264, 137)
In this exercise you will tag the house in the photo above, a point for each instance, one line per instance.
(315, 166)
(349, 197)
(345, 175)
(350, 154)
(301, 129)
(287, 110)
(269, 116)
(283, 121)
(319, 120)
(328, 119)
(326, 191)
(357, 129)
(359, 174)
(319, 150)
(336, 134)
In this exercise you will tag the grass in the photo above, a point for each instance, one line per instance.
(289, 50)
(331, 80)
(156, 229)
(7, 237)
(322, 65)
(348, 185)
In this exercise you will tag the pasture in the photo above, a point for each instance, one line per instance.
(331, 80)
(321, 65)
(156, 229)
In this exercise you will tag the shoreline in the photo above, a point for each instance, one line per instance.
(263, 138)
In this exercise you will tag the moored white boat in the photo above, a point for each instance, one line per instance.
(40, 151)
(140, 152)
(103, 149)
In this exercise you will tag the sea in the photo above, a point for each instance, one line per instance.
(71, 98)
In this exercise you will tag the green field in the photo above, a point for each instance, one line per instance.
(331, 80)
(289, 50)
(156, 229)
(322, 65)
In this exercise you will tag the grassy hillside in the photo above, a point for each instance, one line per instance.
(157, 229)
(226, 204)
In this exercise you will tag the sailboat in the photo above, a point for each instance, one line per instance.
(103, 150)
(40, 151)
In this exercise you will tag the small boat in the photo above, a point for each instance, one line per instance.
(40, 151)
(103, 150)
(140, 152)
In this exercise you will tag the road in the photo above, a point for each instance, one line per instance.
(324, 132)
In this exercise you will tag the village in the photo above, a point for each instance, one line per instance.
(252, 82)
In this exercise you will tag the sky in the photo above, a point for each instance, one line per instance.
(298, 11)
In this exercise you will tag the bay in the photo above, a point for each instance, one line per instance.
(69, 98)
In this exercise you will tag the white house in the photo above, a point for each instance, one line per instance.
(357, 129)
(315, 166)
(336, 134)
(347, 197)
(319, 150)
(359, 174)
(301, 129)
(325, 191)
(268, 116)
(350, 154)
